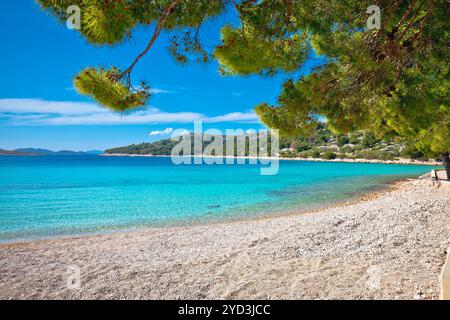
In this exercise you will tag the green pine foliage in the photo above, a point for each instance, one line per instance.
(102, 21)
(392, 82)
(246, 52)
(102, 85)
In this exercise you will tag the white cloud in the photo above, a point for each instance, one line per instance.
(158, 91)
(21, 106)
(162, 132)
(234, 117)
(59, 113)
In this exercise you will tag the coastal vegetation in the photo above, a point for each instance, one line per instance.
(321, 144)
(241, 145)
(391, 80)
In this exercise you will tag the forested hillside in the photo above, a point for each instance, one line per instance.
(321, 144)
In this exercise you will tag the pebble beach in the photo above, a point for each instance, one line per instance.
(388, 245)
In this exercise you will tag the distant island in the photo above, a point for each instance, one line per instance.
(15, 153)
(45, 152)
(322, 144)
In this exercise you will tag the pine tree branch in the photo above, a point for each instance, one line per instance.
(158, 29)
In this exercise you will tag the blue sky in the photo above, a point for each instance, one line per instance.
(39, 108)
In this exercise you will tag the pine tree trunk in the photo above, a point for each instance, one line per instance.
(446, 164)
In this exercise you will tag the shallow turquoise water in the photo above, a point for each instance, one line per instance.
(42, 197)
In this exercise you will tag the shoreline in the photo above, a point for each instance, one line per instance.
(404, 161)
(403, 230)
(346, 160)
(365, 195)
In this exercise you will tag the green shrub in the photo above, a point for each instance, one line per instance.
(342, 140)
(412, 152)
(303, 146)
(315, 153)
(328, 155)
(347, 149)
(289, 154)
(355, 138)
(369, 140)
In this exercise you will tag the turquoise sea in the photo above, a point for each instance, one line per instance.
(48, 196)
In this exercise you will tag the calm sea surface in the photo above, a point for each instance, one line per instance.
(42, 197)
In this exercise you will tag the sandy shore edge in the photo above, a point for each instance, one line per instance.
(390, 245)
(399, 161)
(359, 198)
